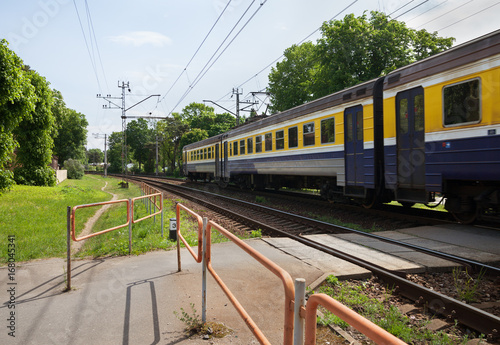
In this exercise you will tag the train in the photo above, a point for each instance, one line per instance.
(425, 131)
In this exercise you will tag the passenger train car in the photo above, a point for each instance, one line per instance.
(430, 128)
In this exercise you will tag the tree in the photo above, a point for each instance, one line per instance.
(172, 130)
(95, 156)
(115, 152)
(138, 136)
(34, 136)
(75, 169)
(297, 69)
(70, 134)
(17, 101)
(350, 51)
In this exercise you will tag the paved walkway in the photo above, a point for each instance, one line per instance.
(131, 300)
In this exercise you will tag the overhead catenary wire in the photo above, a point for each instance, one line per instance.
(461, 20)
(197, 50)
(205, 69)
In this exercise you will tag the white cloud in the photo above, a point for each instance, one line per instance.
(140, 38)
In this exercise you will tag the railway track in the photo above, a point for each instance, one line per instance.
(279, 223)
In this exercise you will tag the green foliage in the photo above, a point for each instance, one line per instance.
(139, 136)
(95, 156)
(192, 321)
(290, 82)
(70, 130)
(115, 152)
(350, 51)
(34, 136)
(75, 169)
(37, 216)
(379, 311)
(466, 285)
(17, 101)
(35, 176)
(256, 233)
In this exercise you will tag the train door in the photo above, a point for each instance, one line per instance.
(224, 162)
(410, 145)
(217, 162)
(354, 149)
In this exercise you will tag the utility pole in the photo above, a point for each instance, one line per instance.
(157, 138)
(99, 136)
(237, 93)
(112, 105)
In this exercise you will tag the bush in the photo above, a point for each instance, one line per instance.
(75, 169)
(35, 176)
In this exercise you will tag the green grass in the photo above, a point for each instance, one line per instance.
(37, 216)
(381, 312)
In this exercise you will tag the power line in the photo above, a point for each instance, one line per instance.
(205, 69)
(91, 28)
(281, 56)
(430, 9)
(461, 20)
(87, 45)
(411, 9)
(197, 50)
(439, 17)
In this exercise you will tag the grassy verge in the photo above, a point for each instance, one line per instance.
(37, 216)
(380, 310)
(146, 234)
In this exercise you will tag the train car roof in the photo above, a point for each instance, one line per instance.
(351, 94)
(471, 51)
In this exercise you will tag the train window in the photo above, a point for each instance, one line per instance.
(235, 148)
(462, 103)
(258, 144)
(210, 153)
(359, 125)
(418, 104)
(205, 156)
(293, 137)
(242, 146)
(250, 145)
(280, 140)
(403, 116)
(269, 141)
(308, 135)
(349, 136)
(328, 130)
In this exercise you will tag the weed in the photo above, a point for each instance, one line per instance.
(260, 199)
(466, 285)
(195, 325)
(256, 233)
(192, 321)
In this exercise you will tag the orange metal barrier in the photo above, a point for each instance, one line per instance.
(73, 213)
(275, 269)
(372, 331)
(198, 257)
(149, 196)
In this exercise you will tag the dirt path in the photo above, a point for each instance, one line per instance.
(87, 229)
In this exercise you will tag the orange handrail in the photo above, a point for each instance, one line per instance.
(368, 328)
(198, 257)
(160, 208)
(73, 212)
(275, 269)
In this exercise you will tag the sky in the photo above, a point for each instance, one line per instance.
(191, 50)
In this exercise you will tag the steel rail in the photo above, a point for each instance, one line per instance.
(470, 316)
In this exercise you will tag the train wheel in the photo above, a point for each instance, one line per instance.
(466, 217)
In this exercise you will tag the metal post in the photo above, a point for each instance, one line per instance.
(130, 227)
(68, 243)
(204, 275)
(178, 245)
(300, 298)
(161, 206)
